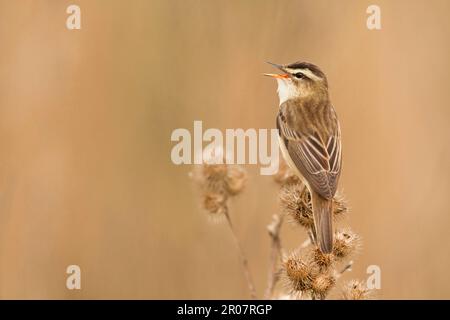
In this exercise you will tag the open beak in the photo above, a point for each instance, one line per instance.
(274, 75)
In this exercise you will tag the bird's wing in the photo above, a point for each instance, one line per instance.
(318, 159)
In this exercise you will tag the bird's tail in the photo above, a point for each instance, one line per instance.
(322, 211)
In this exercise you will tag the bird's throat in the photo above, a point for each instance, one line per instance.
(286, 90)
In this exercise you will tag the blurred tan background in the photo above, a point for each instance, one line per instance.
(86, 118)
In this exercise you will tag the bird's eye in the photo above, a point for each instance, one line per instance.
(299, 75)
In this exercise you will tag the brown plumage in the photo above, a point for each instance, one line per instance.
(310, 139)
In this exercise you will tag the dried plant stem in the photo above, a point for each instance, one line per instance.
(275, 253)
(243, 258)
(348, 267)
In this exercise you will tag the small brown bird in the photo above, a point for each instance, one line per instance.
(310, 139)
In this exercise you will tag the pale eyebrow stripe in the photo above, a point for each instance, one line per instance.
(306, 72)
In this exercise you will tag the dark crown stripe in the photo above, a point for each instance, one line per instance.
(306, 65)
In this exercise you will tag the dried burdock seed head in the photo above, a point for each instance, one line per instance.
(295, 201)
(215, 203)
(340, 207)
(322, 284)
(285, 175)
(346, 243)
(356, 290)
(220, 178)
(297, 273)
(235, 180)
(323, 260)
(211, 177)
(217, 182)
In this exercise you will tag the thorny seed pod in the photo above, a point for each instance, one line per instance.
(295, 201)
(215, 203)
(346, 242)
(297, 273)
(323, 260)
(235, 180)
(356, 290)
(340, 207)
(220, 178)
(211, 177)
(218, 182)
(322, 284)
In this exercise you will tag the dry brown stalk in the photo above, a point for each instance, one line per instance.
(243, 259)
(275, 253)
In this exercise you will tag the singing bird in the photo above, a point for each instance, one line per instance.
(310, 139)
